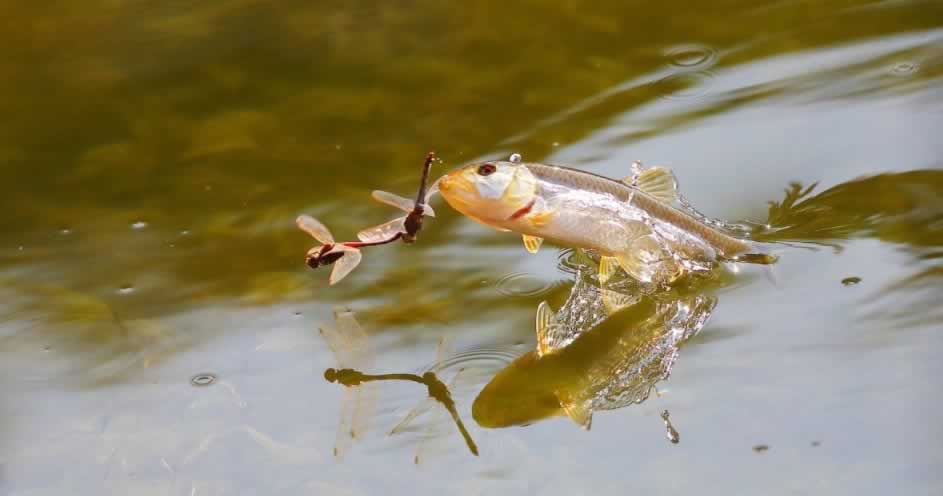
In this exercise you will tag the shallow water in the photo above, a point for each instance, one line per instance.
(155, 155)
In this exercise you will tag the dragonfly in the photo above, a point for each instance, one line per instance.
(345, 256)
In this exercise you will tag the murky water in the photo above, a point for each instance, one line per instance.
(159, 329)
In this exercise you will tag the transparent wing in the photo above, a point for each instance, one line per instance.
(441, 425)
(404, 204)
(348, 342)
(345, 264)
(350, 404)
(442, 351)
(313, 227)
(383, 231)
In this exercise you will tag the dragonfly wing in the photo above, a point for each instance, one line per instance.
(345, 264)
(315, 228)
(383, 232)
(345, 428)
(439, 426)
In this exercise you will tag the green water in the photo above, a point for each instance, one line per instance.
(154, 155)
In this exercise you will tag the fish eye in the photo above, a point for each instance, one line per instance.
(486, 169)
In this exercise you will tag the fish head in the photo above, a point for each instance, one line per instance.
(489, 191)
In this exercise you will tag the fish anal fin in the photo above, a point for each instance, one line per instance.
(578, 410)
(546, 320)
(532, 243)
(658, 182)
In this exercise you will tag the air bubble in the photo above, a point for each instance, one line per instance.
(139, 225)
(201, 380)
(904, 68)
(65, 231)
(126, 289)
(515, 158)
(691, 55)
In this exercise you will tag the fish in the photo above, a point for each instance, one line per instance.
(635, 224)
(593, 355)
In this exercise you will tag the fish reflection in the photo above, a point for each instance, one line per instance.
(605, 349)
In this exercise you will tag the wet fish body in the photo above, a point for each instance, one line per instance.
(633, 223)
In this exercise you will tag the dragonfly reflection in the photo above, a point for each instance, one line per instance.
(348, 341)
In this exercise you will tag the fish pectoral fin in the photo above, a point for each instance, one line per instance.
(658, 182)
(607, 267)
(579, 410)
(540, 214)
(532, 243)
(546, 320)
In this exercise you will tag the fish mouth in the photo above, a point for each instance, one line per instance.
(455, 186)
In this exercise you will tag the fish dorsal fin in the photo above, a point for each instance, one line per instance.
(546, 320)
(532, 243)
(579, 410)
(658, 182)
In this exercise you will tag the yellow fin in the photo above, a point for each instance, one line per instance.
(579, 411)
(541, 219)
(532, 243)
(546, 320)
(607, 267)
(658, 182)
(648, 261)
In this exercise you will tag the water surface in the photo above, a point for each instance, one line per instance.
(154, 156)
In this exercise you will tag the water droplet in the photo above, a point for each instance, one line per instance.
(850, 281)
(139, 225)
(523, 284)
(686, 84)
(201, 380)
(555, 144)
(904, 68)
(171, 245)
(65, 231)
(185, 232)
(691, 55)
(126, 289)
(20, 248)
(761, 448)
(515, 158)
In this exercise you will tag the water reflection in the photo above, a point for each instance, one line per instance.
(606, 348)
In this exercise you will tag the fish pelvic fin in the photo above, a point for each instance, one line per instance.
(532, 243)
(607, 267)
(647, 261)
